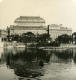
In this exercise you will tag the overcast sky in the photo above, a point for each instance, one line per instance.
(53, 11)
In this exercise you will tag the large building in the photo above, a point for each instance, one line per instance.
(37, 25)
(56, 30)
(25, 24)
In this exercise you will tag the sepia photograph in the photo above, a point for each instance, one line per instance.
(37, 39)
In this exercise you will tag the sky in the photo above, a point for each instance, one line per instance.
(53, 11)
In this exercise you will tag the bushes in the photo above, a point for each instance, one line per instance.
(54, 44)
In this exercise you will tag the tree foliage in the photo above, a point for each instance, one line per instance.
(43, 37)
(74, 37)
(64, 38)
(28, 37)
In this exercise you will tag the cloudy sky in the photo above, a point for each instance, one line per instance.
(53, 11)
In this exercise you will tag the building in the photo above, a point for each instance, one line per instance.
(3, 35)
(56, 30)
(25, 24)
(37, 25)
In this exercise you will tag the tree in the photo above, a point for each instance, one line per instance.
(15, 37)
(74, 37)
(64, 39)
(28, 37)
(43, 38)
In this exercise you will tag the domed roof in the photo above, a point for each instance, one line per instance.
(29, 19)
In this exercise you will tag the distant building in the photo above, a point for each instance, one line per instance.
(56, 30)
(37, 25)
(25, 24)
(3, 34)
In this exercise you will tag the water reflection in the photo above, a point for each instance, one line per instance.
(27, 63)
(62, 56)
(33, 63)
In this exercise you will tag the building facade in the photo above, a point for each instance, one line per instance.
(56, 30)
(3, 35)
(24, 24)
(37, 25)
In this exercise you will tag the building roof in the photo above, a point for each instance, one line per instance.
(59, 27)
(29, 19)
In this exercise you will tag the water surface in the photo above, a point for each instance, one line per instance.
(35, 64)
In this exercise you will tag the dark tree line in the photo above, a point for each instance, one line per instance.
(30, 37)
(43, 39)
(64, 39)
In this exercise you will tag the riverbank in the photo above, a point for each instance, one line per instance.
(61, 47)
(22, 45)
(13, 44)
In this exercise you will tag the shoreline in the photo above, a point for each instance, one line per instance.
(61, 47)
(22, 45)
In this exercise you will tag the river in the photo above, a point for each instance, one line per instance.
(35, 64)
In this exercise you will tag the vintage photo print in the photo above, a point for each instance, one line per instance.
(37, 39)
